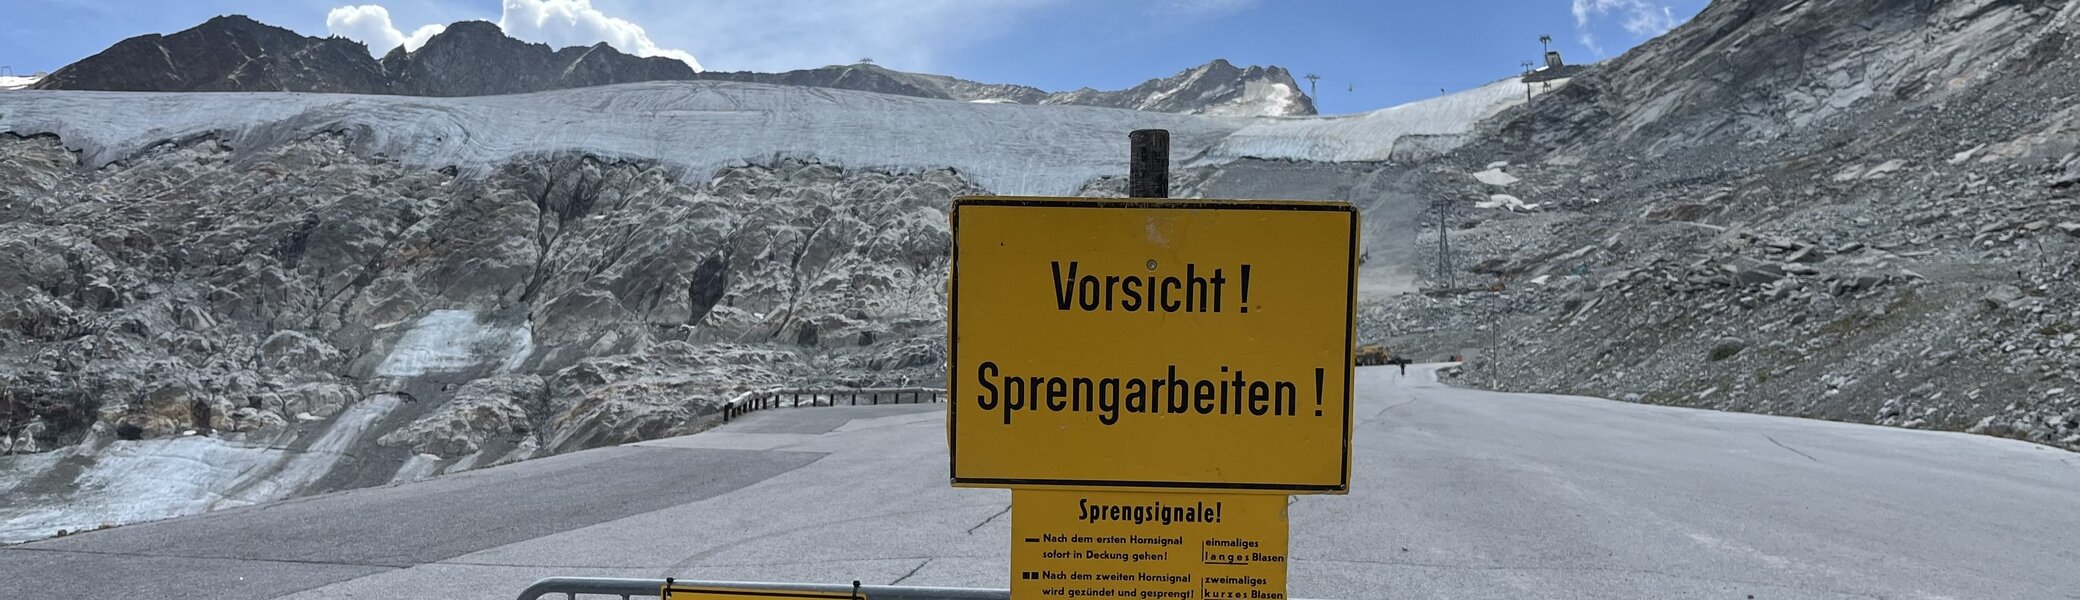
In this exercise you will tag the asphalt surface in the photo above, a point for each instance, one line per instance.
(1457, 494)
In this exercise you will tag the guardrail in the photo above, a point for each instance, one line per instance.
(778, 397)
(571, 587)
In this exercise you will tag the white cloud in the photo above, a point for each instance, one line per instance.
(370, 24)
(1641, 18)
(558, 23)
(1588, 40)
(777, 35)
(561, 23)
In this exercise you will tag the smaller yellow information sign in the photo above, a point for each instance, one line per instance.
(694, 592)
(1075, 545)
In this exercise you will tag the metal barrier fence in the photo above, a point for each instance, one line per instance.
(572, 587)
(778, 397)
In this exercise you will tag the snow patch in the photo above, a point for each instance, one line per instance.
(301, 469)
(446, 341)
(1506, 202)
(418, 467)
(11, 82)
(1368, 136)
(1259, 99)
(1495, 177)
(130, 481)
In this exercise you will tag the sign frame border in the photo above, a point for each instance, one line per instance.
(953, 341)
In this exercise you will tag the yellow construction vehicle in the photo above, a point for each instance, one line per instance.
(1373, 354)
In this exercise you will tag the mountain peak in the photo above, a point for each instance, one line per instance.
(472, 58)
(1215, 88)
(234, 21)
(472, 28)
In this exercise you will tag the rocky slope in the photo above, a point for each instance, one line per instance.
(237, 54)
(1767, 211)
(414, 322)
(224, 299)
(475, 58)
(231, 53)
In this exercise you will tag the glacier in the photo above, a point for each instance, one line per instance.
(696, 129)
(699, 126)
(1371, 136)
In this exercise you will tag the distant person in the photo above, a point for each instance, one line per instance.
(1404, 364)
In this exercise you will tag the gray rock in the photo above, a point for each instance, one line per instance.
(2067, 176)
(2002, 296)
(482, 414)
(1806, 254)
(1726, 348)
(1748, 273)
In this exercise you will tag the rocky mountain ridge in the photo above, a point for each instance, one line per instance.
(1766, 211)
(475, 58)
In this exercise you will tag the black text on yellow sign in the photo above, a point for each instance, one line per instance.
(674, 591)
(1076, 545)
(1157, 345)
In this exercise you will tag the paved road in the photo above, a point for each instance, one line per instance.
(1459, 494)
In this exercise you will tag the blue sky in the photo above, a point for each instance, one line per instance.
(1369, 53)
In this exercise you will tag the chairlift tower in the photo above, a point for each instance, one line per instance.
(1527, 81)
(1311, 79)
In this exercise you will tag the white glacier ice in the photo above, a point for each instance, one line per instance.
(694, 125)
(294, 471)
(453, 340)
(130, 481)
(702, 125)
(1368, 136)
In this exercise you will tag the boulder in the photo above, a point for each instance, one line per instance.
(1749, 273)
(2002, 296)
(1806, 254)
(1726, 348)
(292, 350)
(2067, 176)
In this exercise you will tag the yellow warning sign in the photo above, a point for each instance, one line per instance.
(1156, 345)
(1074, 545)
(694, 592)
